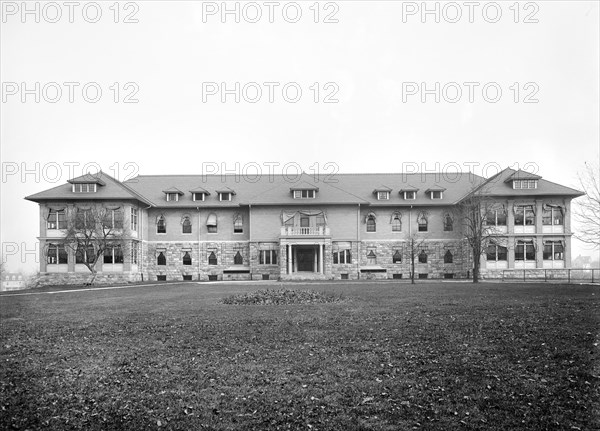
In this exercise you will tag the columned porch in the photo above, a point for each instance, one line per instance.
(304, 261)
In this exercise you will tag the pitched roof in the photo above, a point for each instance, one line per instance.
(275, 189)
(112, 190)
(499, 185)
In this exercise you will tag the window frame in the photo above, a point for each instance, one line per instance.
(553, 218)
(59, 253)
(212, 258)
(342, 257)
(525, 253)
(410, 195)
(78, 188)
(383, 196)
(267, 257)
(527, 212)
(60, 219)
(422, 257)
(222, 195)
(448, 256)
(186, 261)
(396, 260)
(187, 225)
(170, 195)
(133, 222)
(553, 252)
(496, 253)
(195, 195)
(371, 223)
(396, 223)
(436, 195)
(163, 259)
(304, 194)
(161, 218)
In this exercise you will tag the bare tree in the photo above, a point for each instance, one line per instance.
(93, 230)
(474, 212)
(587, 209)
(414, 245)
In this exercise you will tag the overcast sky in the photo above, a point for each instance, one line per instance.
(509, 93)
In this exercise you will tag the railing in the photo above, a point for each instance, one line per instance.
(590, 275)
(308, 231)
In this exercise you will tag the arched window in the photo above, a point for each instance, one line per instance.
(448, 258)
(161, 225)
(397, 257)
(448, 223)
(212, 258)
(422, 257)
(422, 221)
(396, 223)
(371, 223)
(238, 259)
(238, 224)
(186, 225)
(161, 259)
(187, 259)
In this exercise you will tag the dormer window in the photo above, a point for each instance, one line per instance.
(436, 194)
(224, 196)
(410, 195)
(304, 194)
(84, 188)
(172, 194)
(383, 196)
(524, 184)
(199, 197)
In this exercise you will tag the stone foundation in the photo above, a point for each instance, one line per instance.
(79, 278)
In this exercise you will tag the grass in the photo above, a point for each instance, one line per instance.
(390, 357)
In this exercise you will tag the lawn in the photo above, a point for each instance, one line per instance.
(434, 356)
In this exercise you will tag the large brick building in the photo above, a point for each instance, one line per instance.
(350, 226)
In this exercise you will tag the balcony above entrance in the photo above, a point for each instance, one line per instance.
(318, 231)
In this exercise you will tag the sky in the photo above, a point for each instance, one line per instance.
(156, 87)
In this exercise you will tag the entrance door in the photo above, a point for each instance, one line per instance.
(306, 259)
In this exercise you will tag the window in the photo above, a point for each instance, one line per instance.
(200, 197)
(525, 251)
(84, 219)
(161, 225)
(225, 196)
(422, 222)
(496, 218)
(187, 259)
(553, 250)
(342, 254)
(371, 257)
(56, 219)
(211, 223)
(496, 253)
(552, 216)
(267, 257)
(524, 215)
(396, 222)
(304, 221)
(113, 219)
(436, 194)
(397, 257)
(448, 258)
(186, 225)
(161, 259)
(172, 197)
(371, 223)
(383, 196)
(212, 258)
(238, 259)
(238, 224)
(82, 255)
(410, 195)
(525, 184)
(304, 194)
(113, 254)
(422, 257)
(84, 188)
(448, 223)
(56, 254)
(134, 219)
